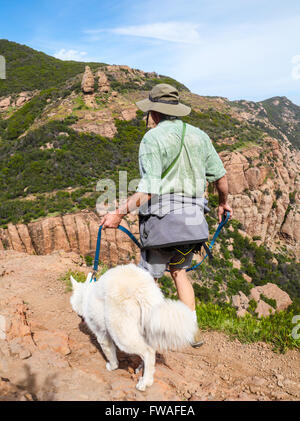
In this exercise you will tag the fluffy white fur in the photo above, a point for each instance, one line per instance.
(125, 308)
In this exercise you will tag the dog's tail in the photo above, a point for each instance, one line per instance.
(169, 325)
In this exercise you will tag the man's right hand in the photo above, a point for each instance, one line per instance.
(222, 209)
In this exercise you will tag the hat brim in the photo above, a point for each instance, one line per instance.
(178, 110)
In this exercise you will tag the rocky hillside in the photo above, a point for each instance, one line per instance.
(73, 129)
(57, 142)
(66, 125)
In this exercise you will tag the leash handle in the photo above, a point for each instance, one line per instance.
(97, 252)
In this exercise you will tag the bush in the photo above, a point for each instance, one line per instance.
(88, 260)
(275, 329)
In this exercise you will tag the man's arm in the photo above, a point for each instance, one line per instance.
(222, 188)
(113, 219)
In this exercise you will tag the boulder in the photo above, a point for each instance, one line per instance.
(272, 291)
(241, 303)
(247, 278)
(263, 309)
(236, 264)
(241, 312)
(22, 98)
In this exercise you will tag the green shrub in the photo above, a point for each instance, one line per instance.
(269, 301)
(275, 329)
(167, 286)
(77, 275)
(202, 293)
(88, 260)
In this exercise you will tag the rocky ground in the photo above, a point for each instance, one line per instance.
(46, 352)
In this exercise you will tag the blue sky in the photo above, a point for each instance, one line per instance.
(240, 49)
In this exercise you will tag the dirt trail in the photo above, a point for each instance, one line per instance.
(48, 354)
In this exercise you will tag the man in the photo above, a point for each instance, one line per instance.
(188, 159)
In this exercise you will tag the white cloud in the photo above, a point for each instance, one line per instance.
(64, 54)
(296, 67)
(179, 32)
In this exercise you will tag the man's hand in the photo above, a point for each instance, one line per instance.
(111, 220)
(223, 208)
(222, 187)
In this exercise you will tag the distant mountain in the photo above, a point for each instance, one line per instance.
(285, 115)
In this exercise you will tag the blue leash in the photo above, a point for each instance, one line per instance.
(97, 252)
(132, 237)
(224, 221)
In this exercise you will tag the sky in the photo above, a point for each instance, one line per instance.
(238, 49)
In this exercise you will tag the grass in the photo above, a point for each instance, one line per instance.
(77, 275)
(275, 329)
(80, 276)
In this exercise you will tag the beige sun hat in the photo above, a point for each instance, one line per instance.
(164, 99)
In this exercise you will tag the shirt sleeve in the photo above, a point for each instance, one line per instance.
(150, 166)
(214, 168)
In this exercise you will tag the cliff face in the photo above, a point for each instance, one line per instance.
(261, 194)
(74, 232)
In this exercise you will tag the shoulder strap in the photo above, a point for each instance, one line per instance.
(167, 170)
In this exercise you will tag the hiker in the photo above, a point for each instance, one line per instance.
(175, 160)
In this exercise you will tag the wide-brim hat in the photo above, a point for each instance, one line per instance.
(164, 99)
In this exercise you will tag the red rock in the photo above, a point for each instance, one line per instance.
(272, 291)
(263, 309)
(87, 84)
(19, 326)
(54, 340)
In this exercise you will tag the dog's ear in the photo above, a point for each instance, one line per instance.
(73, 282)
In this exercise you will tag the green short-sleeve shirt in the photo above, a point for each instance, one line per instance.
(197, 163)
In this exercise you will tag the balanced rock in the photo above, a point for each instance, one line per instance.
(87, 84)
(103, 83)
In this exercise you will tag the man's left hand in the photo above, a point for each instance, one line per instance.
(222, 209)
(111, 220)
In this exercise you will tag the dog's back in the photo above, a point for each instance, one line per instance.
(129, 285)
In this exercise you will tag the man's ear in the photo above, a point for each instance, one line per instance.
(73, 282)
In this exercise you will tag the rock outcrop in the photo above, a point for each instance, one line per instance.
(260, 192)
(72, 232)
(273, 292)
(87, 84)
(103, 83)
(263, 309)
(5, 102)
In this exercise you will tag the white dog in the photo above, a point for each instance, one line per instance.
(125, 308)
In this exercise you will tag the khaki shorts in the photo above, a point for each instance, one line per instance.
(156, 261)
